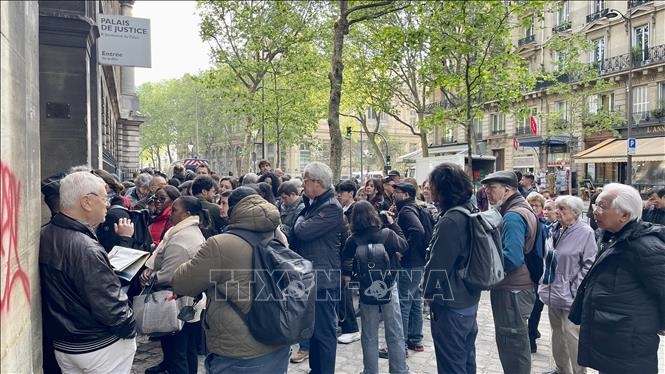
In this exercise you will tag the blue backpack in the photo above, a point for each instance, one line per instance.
(535, 259)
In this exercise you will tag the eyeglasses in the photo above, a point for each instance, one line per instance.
(105, 198)
(599, 208)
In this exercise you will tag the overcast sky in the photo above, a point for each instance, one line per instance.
(176, 45)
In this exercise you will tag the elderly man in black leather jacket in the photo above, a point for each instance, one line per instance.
(86, 314)
(316, 235)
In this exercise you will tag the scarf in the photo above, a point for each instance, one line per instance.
(187, 222)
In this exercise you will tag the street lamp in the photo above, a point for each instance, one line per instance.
(613, 13)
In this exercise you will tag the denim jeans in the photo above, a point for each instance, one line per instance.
(276, 362)
(323, 344)
(454, 337)
(411, 304)
(346, 312)
(369, 337)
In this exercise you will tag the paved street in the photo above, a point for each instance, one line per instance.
(349, 357)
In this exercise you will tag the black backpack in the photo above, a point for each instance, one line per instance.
(484, 267)
(141, 220)
(283, 293)
(373, 270)
(428, 221)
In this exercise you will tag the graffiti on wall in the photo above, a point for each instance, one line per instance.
(9, 207)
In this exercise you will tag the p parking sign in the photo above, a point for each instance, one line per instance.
(632, 146)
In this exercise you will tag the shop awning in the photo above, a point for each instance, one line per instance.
(614, 150)
(537, 141)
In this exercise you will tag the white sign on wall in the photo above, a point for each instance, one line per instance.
(123, 41)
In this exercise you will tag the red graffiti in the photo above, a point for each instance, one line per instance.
(9, 207)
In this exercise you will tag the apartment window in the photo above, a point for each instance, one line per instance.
(524, 127)
(413, 118)
(562, 14)
(371, 114)
(562, 109)
(528, 30)
(305, 155)
(592, 104)
(598, 52)
(641, 42)
(640, 100)
(662, 92)
(498, 123)
(478, 128)
(447, 135)
(607, 102)
(596, 6)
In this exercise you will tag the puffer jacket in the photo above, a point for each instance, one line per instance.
(83, 307)
(226, 260)
(317, 236)
(620, 305)
(575, 249)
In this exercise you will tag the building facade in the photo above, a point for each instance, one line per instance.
(611, 27)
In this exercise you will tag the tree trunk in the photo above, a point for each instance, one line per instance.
(375, 147)
(424, 144)
(336, 77)
(168, 152)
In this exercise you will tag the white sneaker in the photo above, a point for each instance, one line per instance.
(349, 338)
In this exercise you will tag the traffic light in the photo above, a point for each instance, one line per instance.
(388, 162)
(348, 132)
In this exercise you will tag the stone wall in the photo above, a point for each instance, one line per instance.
(20, 313)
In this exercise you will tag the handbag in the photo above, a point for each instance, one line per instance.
(156, 312)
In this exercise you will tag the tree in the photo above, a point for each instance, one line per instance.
(247, 36)
(403, 70)
(348, 15)
(475, 61)
(578, 84)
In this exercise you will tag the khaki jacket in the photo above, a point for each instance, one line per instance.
(222, 268)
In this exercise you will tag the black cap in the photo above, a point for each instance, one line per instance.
(394, 173)
(504, 177)
(406, 187)
(51, 184)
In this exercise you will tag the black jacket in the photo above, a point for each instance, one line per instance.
(395, 243)
(106, 231)
(317, 236)
(448, 253)
(81, 297)
(654, 215)
(620, 305)
(409, 221)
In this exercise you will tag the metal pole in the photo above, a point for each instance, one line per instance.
(263, 123)
(629, 101)
(197, 123)
(350, 156)
(361, 156)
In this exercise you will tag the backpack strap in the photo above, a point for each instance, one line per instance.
(253, 240)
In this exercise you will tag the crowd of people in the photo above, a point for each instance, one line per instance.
(603, 286)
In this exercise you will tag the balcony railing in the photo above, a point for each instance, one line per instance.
(636, 3)
(522, 130)
(526, 40)
(563, 26)
(498, 131)
(640, 58)
(596, 15)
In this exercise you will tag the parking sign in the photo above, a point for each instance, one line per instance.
(632, 146)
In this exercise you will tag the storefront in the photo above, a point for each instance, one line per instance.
(606, 162)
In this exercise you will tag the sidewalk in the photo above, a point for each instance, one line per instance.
(349, 357)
